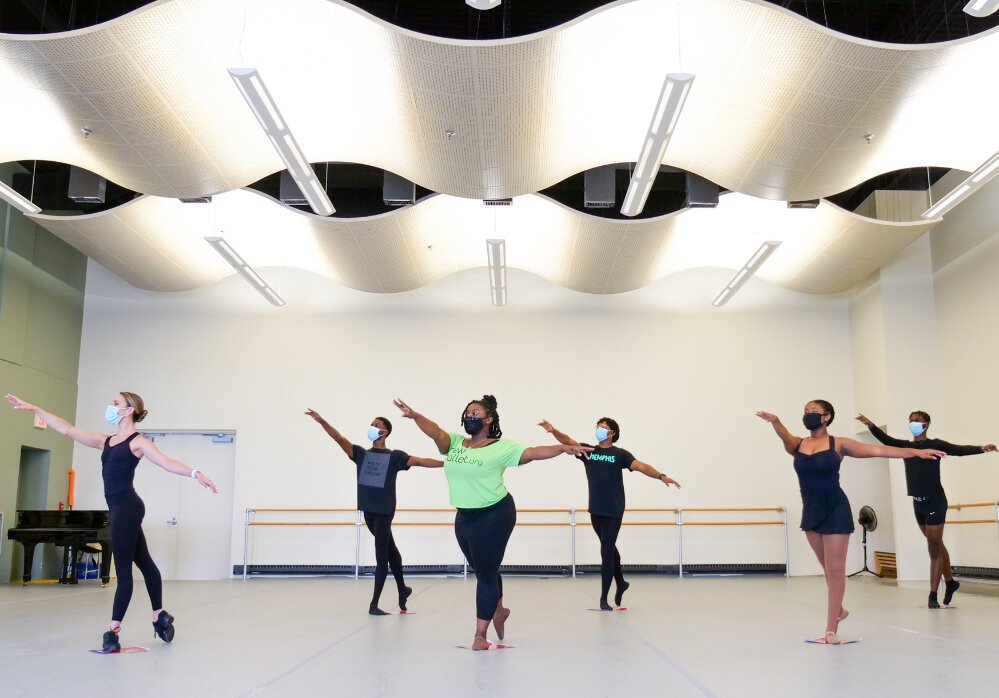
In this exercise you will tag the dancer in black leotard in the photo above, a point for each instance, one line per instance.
(604, 468)
(922, 480)
(825, 517)
(377, 469)
(120, 455)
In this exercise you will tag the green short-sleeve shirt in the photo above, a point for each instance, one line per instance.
(475, 475)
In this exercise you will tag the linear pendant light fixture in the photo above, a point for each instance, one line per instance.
(256, 95)
(977, 179)
(671, 99)
(496, 253)
(981, 8)
(748, 269)
(244, 269)
(17, 201)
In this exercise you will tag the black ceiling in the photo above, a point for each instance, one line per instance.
(897, 21)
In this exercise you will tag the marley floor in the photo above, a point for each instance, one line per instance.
(737, 636)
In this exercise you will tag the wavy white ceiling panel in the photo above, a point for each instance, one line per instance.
(157, 243)
(778, 110)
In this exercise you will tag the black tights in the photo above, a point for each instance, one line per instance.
(482, 536)
(129, 546)
(386, 554)
(607, 528)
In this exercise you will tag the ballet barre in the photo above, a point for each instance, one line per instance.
(993, 505)
(571, 521)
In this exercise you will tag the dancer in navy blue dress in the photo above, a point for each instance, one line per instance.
(120, 454)
(825, 517)
(604, 469)
(922, 480)
(377, 469)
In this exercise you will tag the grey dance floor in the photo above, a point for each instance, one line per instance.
(691, 637)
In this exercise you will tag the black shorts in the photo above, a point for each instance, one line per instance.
(930, 510)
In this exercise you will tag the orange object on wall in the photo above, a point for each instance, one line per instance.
(72, 486)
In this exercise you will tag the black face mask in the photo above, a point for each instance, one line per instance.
(473, 425)
(812, 420)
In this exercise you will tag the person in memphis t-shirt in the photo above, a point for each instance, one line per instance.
(474, 466)
(604, 469)
(377, 468)
(922, 480)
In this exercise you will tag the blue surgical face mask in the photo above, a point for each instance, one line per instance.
(374, 433)
(917, 428)
(473, 425)
(111, 415)
(602, 433)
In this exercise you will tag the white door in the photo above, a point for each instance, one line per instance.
(188, 529)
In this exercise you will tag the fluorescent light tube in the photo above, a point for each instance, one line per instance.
(252, 87)
(17, 201)
(978, 178)
(244, 269)
(981, 8)
(748, 269)
(664, 118)
(496, 254)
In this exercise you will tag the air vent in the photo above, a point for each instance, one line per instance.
(397, 191)
(85, 187)
(701, 193)
(808, 203)
(598, 187)
(197, 200)
(497, 202)
(288, 191)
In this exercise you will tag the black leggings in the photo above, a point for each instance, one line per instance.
(129, 546)
(386, 553)
(607, 528)
(482, 536)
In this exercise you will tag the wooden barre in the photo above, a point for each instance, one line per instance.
(737, 509)
(970, 506)
(733, 523)
(302, 510)
(302, 523)
(974, 521)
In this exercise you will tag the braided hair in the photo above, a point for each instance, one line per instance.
(489, 403)
(827, 408)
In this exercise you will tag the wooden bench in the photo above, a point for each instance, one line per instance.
(884, 564)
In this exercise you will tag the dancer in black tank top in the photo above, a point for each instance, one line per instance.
(826, 518)
(377, 469)
(604, 468)
(120, 455)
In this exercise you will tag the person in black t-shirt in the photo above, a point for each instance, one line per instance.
(922, 480)
(377, 468)
(604, 469)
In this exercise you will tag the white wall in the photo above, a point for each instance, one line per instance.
(682, 378)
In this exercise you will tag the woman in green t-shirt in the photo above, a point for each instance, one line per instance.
(486, 514)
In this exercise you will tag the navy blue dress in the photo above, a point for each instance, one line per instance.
(825, 508)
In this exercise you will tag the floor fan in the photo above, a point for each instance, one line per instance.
(868, 521)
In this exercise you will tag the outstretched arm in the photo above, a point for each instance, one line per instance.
(425, 462)
(880, 435)
(560, 436)
(958, 450)
(791, 442)
(147, 448)
(341, 440)
(429, 427)
(60, 425)
(647, 469)
(545, 452)
(858, 449)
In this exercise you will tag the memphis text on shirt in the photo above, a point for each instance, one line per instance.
(604, 457)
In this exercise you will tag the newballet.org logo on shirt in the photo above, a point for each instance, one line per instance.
(460, 455)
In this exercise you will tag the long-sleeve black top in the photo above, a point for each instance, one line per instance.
(922, 475)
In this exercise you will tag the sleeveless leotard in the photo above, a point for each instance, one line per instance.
(825, 507)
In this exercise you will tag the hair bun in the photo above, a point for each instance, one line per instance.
(489, 401)
(140, 416)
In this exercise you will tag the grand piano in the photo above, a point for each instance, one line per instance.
(71, 530)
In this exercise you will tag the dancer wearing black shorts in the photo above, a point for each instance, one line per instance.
(120, 454)
(929, 501)
(825, 517)
(377, 469)
(604, 469)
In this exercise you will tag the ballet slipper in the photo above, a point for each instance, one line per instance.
(499, 622)
(480, 643)
(832, 638)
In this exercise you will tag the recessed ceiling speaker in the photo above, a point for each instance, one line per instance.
(497, 202)
(701, 193)
(288, 191)
(85, 187)
(599, 187)
(807, 203)
(398, 191)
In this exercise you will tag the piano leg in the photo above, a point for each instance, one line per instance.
(29, 558)
(68, 565)
(105, 564)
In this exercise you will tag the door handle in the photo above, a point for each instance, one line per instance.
(172, 521)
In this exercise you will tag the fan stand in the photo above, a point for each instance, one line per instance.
(865, 568)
